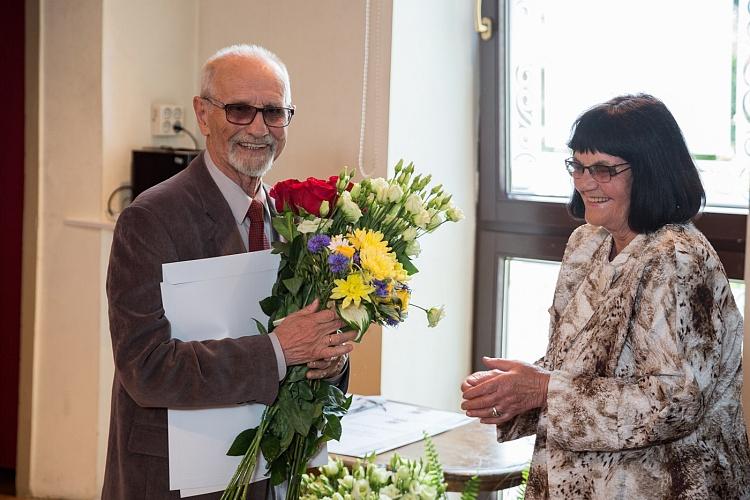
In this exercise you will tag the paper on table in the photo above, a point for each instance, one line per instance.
(375, 424)
(213, 299)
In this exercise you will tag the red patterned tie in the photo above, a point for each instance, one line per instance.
(257, 236)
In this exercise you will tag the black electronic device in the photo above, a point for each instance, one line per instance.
(150, 166)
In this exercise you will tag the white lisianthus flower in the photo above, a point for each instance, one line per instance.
(380, 188)
(390, 491)
(422, 218)
(409, 234)
(356, 189)
(403, 473)
(413, 204)
(454, 214)
(434, 315)
(361, 489)
(413, 249)
(314, 225)
(379, 476)
(331, 469)
(351, 210)
(347, 482)
(395, 193)
(436, 218)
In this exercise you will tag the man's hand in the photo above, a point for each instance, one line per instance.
(326, 368)
(509, 389)
(307, 336)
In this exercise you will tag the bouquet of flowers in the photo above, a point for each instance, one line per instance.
(350, 245)
(402, 479)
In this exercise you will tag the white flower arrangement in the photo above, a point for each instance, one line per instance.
(402, 479)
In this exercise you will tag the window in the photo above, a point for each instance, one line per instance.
(549, 61)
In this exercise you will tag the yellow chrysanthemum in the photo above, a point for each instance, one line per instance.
(353, 290)
(366, 238)
(403, 296)
(380, 263)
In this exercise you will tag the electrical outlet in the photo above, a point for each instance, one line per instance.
(164, 117)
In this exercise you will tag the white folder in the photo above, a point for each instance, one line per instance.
(214, 299)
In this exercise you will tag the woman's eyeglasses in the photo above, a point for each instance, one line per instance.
(244, 114)
(600, 173)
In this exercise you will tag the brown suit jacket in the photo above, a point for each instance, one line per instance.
(183, 218)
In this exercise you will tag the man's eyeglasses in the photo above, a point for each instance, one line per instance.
(600, 173)
(244, 114)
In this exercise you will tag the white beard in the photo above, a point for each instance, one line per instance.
(250, 167)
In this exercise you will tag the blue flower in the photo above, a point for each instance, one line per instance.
(391, 322)
(338, 262)
(381, 287)
(356, 258)
(318, 242)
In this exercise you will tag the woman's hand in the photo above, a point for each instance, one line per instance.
(508, 389)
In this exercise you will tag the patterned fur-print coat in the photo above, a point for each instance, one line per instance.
(644, 395)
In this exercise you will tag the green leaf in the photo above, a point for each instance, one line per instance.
(293, 284)
(471, 489)
(261, 329)
(270, 305)
(270, 446)
(285, 226)
(305, 392)
(297, 418)
(408, 266)
(281, 247)
(278, 472)
(295, 374)
(333, 427)
(242, 443)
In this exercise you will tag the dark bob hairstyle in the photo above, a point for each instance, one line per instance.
(640, 129)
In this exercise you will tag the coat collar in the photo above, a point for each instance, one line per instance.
(218, 225)
(592, 308)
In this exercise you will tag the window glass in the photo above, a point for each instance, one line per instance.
(566, 56)
(528, 289)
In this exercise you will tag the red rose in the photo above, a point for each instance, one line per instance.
(292, 194)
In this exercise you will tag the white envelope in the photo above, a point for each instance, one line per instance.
(213, 299)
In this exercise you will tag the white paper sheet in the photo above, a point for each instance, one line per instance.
(214, 299)
(375, 424)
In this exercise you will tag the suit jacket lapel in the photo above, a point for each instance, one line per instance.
(218, 223)
(271, 211)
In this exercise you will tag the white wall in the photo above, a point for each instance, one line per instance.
(433, 123)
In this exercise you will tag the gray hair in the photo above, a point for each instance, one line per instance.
(242, 50)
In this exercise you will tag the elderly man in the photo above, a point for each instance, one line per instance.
(216, 206)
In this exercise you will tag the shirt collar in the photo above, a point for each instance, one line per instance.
(238, 200)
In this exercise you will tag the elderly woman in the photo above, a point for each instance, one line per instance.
(638, 395)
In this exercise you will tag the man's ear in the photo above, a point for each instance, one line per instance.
(201, 114)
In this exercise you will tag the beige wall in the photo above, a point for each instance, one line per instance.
(63, 383)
